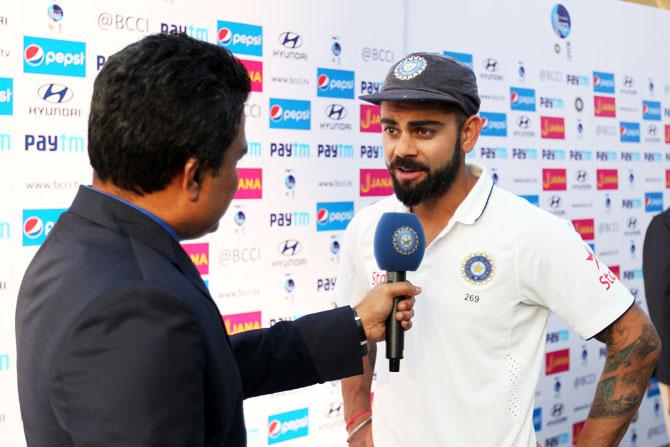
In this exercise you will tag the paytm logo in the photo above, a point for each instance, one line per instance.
(191, 30)
(240, 38)
(629, 132)
(603, 82)
(289, 219)
(286, 426)
(55, 57)
(334, 83)
(37, 224)
(54, 143)
(651, 110)
(463, 58)
(522, 99)
(4, 230)
(6, 96)
(493, 124)
(653, 202)
(333, 216)
(5, 142)
(290, 114)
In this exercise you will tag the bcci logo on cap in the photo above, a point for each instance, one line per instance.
(410, 68)
(405, 241)
(478, 269)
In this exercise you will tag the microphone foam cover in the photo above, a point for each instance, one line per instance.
(399, 242)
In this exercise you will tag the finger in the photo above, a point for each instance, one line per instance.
(406, 324)
(404, 316)
(407, 304)
(404, 288)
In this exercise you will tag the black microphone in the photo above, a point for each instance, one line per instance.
(399, 246)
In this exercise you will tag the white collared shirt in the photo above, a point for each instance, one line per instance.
(474, 354)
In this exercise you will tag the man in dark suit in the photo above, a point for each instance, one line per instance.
(656, 268)
(119, 341)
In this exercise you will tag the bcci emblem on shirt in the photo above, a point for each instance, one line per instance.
(478, 269)
(405, 241)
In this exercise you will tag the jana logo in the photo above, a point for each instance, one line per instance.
(37, 224)
(290, 114)
(240, 38)
(493, 124)
(333, 216)
(560, 21)
(653, 202)
(55, 57)
(335, 83)
(286, 426)
(522, 99)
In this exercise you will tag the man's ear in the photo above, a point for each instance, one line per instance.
(470, 133)
(192, 175)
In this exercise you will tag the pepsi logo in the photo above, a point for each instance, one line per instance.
(225, 36)
(645, 108)
(33, 227)
(276, 112)
(596, 80)
(647, 201)
(322, 216)
(623, 130)
(515, 97)
(485, 122)
(323, 81)
(33, 55)
(274, 428)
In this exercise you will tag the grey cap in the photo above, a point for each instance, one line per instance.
(429, 77)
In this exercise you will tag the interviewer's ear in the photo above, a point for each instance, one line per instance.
(192, 179)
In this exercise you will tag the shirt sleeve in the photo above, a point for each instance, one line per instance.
(352, 283)
(558, 270)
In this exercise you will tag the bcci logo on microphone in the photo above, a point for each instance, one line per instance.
(405, 241)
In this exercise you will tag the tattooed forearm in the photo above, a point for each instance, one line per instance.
(632, 351)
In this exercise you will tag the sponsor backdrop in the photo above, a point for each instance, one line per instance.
(577, 121)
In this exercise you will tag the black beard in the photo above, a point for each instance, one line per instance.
(436, 183)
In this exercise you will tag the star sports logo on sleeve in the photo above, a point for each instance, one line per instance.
(603, 82)
(333, 216)
(334, 83)
(240, 38)
(522, 99)
(286, 426)
(493, 124)
(37, 224)
(290, 114)
(54, 57)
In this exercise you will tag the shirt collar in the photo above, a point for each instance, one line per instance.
(474, 204)
(171, 231)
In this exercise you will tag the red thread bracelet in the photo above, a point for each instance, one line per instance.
(358, 415)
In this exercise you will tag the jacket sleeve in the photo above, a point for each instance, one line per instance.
(313, 349)
(130, 372)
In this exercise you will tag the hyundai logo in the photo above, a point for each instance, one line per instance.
(651, 130)
(334, 410)
(336, 112)
(557, 410)
(55, 93)
(581, 176)
(290, 40)
(628, 82)
(555, 202)
(289, 247)
(632, 223)
(491, 65)
(523, 122)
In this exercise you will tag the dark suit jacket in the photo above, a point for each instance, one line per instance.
(120, 343)
(656, 267)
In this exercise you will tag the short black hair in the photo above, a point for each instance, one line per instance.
(158, 102)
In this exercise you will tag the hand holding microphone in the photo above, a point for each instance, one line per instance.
(399, 246)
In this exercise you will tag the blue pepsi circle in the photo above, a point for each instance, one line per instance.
(55, 13)
(560, 21)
